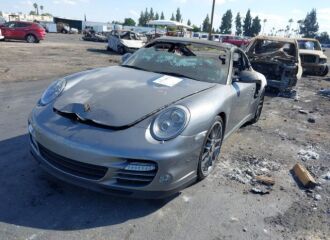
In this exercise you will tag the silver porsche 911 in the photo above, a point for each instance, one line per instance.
(150, 126)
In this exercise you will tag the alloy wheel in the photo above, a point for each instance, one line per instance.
(211, 149)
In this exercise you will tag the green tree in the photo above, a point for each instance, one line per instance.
(323, 38)
(162, 17)
(309, 26)
(238, 23)
(151, 15)
(178, 16)
(196, 29)
(256, 26)
(35, 5)
(172, 17)
(157, 16)
(141, 19)
(188, 22)
(146, 17)
(247, 25)
(129, 22)
(226, 22)
(206, 24)
(32, 13)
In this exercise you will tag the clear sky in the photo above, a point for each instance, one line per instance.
(277, 12)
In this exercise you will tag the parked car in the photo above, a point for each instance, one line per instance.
(29, 31)
(152, 125)
(235, 40)
(1, 36)
(196, 35)
(123, 41)
(313, 60)
(278, 59)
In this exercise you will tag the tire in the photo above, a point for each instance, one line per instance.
(211, 148)
(259, 108)
(30, 38)
(325, 72)
(121, 50)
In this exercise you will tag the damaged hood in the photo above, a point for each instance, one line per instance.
(132, 43)
(120, 97)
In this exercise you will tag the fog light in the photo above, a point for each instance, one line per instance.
(138, 166)
(165, 178)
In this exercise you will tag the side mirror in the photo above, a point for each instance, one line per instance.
(323, 50)
(247, 76)
(125, 57)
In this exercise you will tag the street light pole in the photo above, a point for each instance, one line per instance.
(211, 26)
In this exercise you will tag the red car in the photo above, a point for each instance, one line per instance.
(29, 31)
(235, 40)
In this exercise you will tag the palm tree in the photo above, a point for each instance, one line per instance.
(41, 8)
(35, 5)
(290, 23)
(263, 28)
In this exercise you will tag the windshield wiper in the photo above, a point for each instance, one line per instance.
(134, 67)
(175, 74)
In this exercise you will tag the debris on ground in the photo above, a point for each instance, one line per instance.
(248, 167)
(325, 92)
(326, 176)
(306, 155)
(317, 197)
(260, 190)
(304, 177)
(265, 180)
(303, 111)
(311, 120)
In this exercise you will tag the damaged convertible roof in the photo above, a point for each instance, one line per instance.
(196, 41)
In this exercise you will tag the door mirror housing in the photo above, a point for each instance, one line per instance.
(247, 76)
(125, 57)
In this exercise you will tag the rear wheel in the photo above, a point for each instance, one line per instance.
(31, 39)
(211, 148)
(121, 50)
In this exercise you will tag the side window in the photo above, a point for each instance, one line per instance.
(240, 63)
(10, 24)
(21, 25)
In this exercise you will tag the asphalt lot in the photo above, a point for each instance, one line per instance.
(35, 205)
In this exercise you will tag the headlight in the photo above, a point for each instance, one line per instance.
(322, 60)
(52, 92)
(170, 123)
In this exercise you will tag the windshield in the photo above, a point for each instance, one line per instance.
(200, 62)
(309, 45)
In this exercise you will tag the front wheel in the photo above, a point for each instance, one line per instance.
(211, 148)
(259, 108)
(325, 72)
(31, 38)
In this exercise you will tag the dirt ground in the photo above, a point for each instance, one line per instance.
(34, 205)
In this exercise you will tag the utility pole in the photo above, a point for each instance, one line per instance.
(211, 26)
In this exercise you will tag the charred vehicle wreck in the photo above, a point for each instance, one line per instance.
(278, 59)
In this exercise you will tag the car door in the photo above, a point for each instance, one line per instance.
(243, 92)
(8, 30)
(21, 30)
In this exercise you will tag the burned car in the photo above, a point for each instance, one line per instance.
(313, 60)
(278, 59)
(150, 126)
(123, 42)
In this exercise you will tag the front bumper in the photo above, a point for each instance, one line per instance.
(314, 68)
(176, 160)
